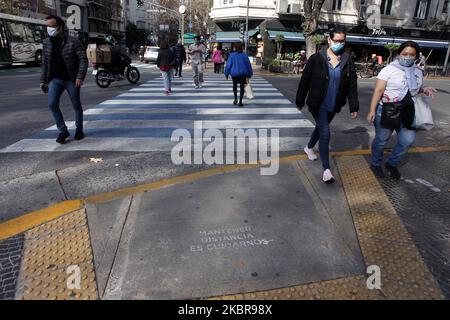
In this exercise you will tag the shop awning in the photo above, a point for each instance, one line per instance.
(231, 36)
(288, 36)
(359, 39)
(188, 38)
(382, 41)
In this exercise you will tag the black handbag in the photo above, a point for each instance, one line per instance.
(391, 114)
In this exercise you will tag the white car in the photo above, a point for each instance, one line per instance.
(151, 54)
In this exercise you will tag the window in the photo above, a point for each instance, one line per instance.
(17, 32)
(446, 7)
(422, 9)
(32, 33)
(386, 7)
(337, 5)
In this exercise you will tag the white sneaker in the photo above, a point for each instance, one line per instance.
(201, 86)
(196, 87)
(310, 152)
(327, 176)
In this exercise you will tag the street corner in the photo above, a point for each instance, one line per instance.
(51, 261)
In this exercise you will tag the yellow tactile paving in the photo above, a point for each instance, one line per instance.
(383, 238)
(351, 288)
(55, 253)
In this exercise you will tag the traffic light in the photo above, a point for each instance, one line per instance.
(241, 31)
(140, 3)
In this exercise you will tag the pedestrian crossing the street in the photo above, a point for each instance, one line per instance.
(144, 118)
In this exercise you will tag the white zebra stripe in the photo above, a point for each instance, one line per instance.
(218, 111)
(188, 101)
(128, 145)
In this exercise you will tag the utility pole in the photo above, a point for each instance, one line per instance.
(246, 27)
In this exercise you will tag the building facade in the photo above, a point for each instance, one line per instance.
(370, 23)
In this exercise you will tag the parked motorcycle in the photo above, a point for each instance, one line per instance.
(105, 74)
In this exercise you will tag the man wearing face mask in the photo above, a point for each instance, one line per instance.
(64, 67)
(328, 81)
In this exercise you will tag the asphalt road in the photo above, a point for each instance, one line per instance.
(24, 113)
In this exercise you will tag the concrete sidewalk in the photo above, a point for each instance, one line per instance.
(230, 233)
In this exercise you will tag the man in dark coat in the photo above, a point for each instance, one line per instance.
(328, 81)
(64, 67)
(180, 57)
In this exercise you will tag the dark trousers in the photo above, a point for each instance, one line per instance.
(241, 81)
(56, 87)
(217, 67)
(322, 134)
(179, 69)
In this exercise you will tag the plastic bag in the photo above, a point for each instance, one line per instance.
(424, 117)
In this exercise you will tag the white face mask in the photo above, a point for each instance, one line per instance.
(52, 31)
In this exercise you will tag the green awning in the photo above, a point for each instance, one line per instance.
(288, 36)
(231, 36)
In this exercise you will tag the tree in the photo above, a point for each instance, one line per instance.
(279, 41)
(392, 47)
(318, 39)
(311, 18)
(13, 6)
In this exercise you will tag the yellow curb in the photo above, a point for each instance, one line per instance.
(35, 218)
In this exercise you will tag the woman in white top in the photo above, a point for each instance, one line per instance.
(397, 83)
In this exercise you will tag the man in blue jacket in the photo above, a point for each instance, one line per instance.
(238, 65)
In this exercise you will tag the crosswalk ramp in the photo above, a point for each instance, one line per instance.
(143, 119)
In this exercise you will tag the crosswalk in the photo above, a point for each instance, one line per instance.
(144, 118)
(144, 65)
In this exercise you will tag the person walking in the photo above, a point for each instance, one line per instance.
(328, 81)
(180, 58)
(396, 86)
(197, 52)
(217, 59)
(64, 67)
(166, 62)
(240, 69)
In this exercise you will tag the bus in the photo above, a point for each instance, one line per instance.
(21, 39)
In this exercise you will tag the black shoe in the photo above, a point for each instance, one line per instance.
(393, 172)
(377, 171)
(79, 135)
(62, 137)
(241, 104)
(235, 101)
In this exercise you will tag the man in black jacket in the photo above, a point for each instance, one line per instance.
(180, 57)
(328, 81)
(64, 67)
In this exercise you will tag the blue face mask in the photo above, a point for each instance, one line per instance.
(406, 61)
(337, 47)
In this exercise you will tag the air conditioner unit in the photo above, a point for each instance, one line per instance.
(281, 6)
(294, 8)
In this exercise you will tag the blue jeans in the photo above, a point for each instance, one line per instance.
(56, 88)
(382, 136)
(167, 79)
(322, 134)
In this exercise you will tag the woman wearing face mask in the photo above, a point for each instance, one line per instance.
(328, 81)
(396, 85)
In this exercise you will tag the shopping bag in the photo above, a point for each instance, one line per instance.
(249, 90)
(424, 117)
